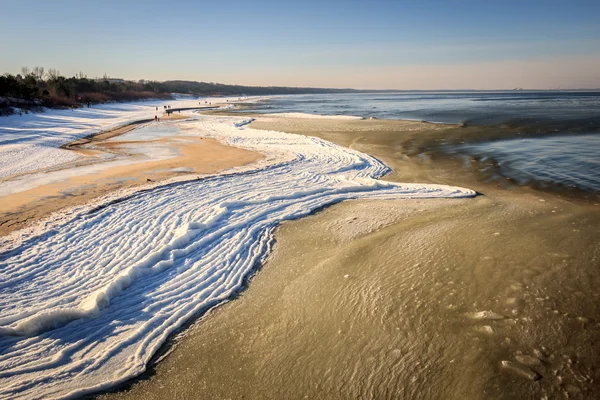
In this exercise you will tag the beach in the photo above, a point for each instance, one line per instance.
(490, 297)
(136, 266)
(392, 295)
(274, 200)
(190, 155)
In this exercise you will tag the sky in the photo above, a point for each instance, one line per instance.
(385, 44)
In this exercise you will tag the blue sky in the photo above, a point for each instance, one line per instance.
(362, 44)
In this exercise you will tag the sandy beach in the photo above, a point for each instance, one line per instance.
(490, 297)
(195, 155)
(485, 298)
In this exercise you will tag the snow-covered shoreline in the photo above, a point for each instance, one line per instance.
(31, 142)
(88, 300)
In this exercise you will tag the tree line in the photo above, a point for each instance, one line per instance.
(37, 87)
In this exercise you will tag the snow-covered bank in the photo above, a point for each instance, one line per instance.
(86, 304)
(31, 142)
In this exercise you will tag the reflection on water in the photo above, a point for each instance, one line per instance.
(570, 160)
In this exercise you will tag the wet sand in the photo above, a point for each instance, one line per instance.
(195, 155)
(487, 298)
(412, 148)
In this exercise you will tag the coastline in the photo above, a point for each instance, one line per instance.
(295, 249)
(424, 145)
(308, 157)
(192, 155)
(331, 313)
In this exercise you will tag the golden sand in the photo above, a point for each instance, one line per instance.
(204, 156)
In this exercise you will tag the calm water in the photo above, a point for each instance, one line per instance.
(570, 159)
(477, 108)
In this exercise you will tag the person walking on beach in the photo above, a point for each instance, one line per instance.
(155, 118)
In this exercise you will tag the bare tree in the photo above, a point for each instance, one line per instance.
(38, 72)
(25, 71)
(80, 75)
(53, 74)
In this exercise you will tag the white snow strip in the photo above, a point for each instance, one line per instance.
(85, 304)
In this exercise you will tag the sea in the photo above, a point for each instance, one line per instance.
(564, 152)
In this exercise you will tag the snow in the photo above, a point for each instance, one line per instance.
(31, 142)
(89, 299)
